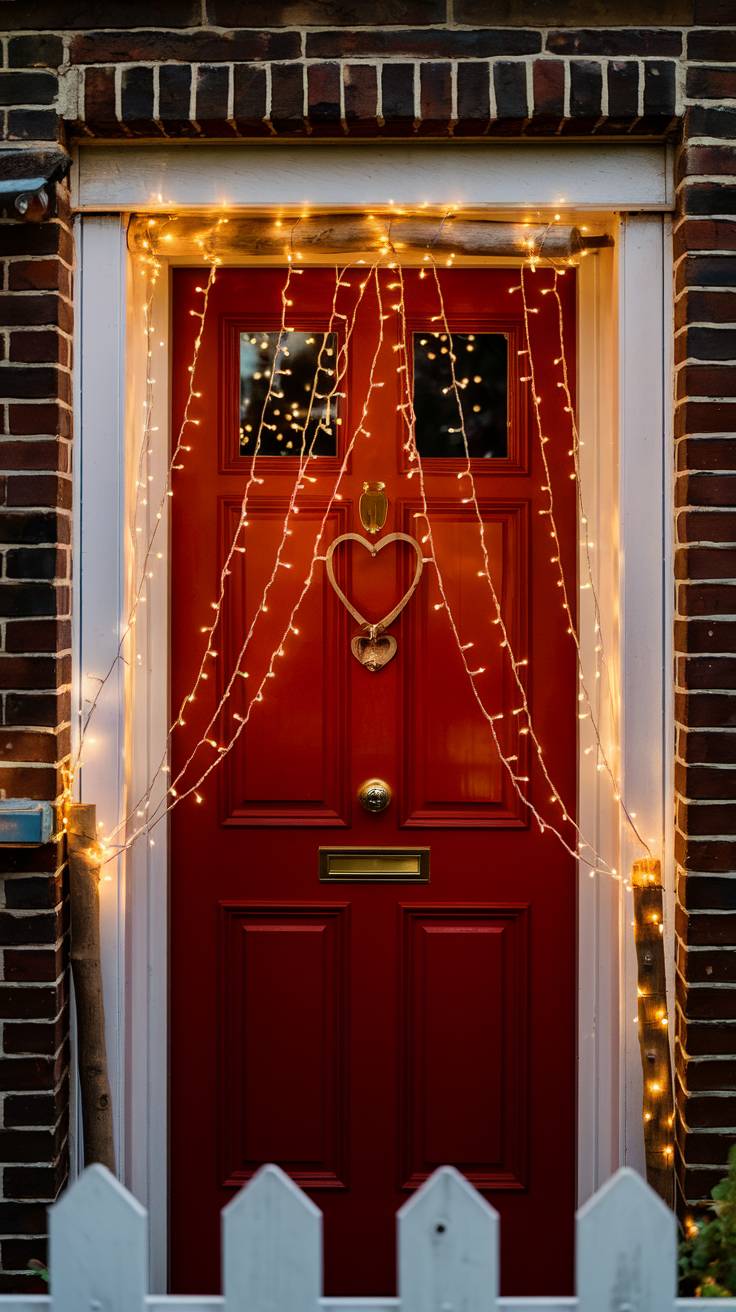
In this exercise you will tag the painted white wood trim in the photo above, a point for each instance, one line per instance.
(647, 588)
(99, 584)
(513, 176)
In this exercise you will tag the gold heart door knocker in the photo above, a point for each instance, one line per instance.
(375, 648)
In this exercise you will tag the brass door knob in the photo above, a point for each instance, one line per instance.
(374, 795)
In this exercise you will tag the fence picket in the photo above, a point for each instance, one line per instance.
(626, 1253)
(448, 1248)
(272, 1247)
(98, 1247)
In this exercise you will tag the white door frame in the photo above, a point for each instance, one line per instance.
(624, 395)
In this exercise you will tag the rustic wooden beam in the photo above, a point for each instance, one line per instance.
(84, 880)
(653, 1020)
(344, 234)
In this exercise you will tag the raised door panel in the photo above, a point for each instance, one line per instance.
(283, 1042)
(464, 1043)
(275, 776)
(451, 769)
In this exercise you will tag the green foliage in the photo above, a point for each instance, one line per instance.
(707, 1259)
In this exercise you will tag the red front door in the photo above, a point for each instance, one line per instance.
(335, 1012)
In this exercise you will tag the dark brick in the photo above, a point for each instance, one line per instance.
(361, 94)
(703, 783)
(24, 781)
(705, 563)
(697, 637)
(23, 1218)
(703, 417)
(250, 98)
(48, 238)
(509, 83)
(703, 234)
(24, 745)
(174, 87)
(623, 89)
(29, 527)
(35, 1182)
(33, 383)
(287, 97)
(707, 380)
(716, 748)
(707, 967)
(35, 311)
(397, 86)
(86, 14)
(706, 526)
(42, 50)
(548, 77)
(713, 46)
(659, 88)
(26, 599)
(31, 672)
(711, 83)
(586, 89)
(435, 95)
(136, 99)
(211, 110)
(615, 42)
(708, 893)
(38, 635)
(37, 1002)
(577, 13)
(39, 275)
(99, 98)
(703, 930)
(706, 598)
(708, 198)
(443, 43)
(34, 1038)
(36, 893)
(33, 125)
(39, 490)
(710, 121)
(16, 931)
(203, 46)
(28, 88)
(32, 708)
(701, 710)
(323, 93)
(703, 820)
(46, 346)
(329, 13)
(710, 343)
(473, 96)
(34, 966)
(36, 1109)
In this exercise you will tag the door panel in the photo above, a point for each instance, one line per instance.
(362, 1033)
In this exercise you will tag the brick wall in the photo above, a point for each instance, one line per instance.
(336, 68)
(35, 670)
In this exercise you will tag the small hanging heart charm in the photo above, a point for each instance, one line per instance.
(374, 651)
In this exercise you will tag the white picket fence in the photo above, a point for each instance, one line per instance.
(272, 1253)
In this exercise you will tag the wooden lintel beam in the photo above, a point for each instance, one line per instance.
(343, 234)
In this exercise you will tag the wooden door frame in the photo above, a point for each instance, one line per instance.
(624, 385)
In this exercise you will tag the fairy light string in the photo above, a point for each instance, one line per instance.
(486, 572)
(292, 509)
(111, 850)
(556, 559)
(234, 547)
(596, 864)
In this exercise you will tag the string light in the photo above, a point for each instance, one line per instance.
(165, 806)
(557, 559)
(408, 416)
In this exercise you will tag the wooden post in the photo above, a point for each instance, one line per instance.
(654, 1041)
(84, 883)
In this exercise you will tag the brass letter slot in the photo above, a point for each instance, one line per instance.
(374, 865)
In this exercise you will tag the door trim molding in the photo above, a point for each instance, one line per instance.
(624, 389)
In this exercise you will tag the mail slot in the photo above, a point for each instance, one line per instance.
(374, 865)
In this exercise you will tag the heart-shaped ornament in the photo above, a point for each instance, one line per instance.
(374, 653)
(373, 548)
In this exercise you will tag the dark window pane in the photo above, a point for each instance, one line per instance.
(481, 369)
(299, 357)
